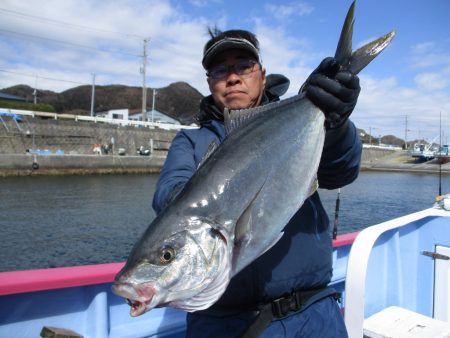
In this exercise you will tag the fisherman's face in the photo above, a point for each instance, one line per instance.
(237, 91)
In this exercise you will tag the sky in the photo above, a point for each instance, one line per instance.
(60, 44)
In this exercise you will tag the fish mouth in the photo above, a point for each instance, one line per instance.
(138, 296)
(137, 307)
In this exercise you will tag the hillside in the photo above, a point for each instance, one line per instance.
(387, 139)
(178, 100)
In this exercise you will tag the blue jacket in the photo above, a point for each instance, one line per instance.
(302, 259)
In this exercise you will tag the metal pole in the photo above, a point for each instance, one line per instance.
(153, 104)
(35, 91)
(92, 95)
(406, 131)
(144, 89)
(336, 214)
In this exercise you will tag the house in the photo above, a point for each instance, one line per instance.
(153, 116)
(114, 114)
(136, 115)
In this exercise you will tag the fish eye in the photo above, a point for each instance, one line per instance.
(166, 255)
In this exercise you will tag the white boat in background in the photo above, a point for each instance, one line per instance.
(423, 152)
(404, 263)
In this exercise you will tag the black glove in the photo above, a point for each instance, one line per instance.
(334, 90)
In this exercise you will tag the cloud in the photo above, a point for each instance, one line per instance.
(105, 38)
(387, 107)
(430, 54)
(287, 11)
(283, 54)
(411, 100)
(432, 81)
(203, 3)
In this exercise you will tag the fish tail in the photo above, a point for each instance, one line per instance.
(344, 47)
(364, 55)
(359, 59)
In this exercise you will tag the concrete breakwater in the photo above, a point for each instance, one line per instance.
(39, 146)
(47, 146)
(24, 165)
(77, 137)
(70, 164)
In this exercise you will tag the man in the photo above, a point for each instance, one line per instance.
(299, 266)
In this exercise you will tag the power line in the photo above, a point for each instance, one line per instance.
(67, 24)
(66, 43)
(41, 77)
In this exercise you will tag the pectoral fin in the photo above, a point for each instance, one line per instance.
(211, 149)
(243, 231)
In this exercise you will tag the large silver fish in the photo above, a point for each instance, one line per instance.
(236, 205)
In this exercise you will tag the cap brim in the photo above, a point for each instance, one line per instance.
(225, 44)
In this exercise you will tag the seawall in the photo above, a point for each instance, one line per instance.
(38, 146)
(24, 165)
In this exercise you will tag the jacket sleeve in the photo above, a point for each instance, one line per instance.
(341, 157)
(177, 170)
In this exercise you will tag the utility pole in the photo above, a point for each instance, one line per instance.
(144, 89)
(406, 131)
(370, 135)
(35, 90)
(92, 95)
(153, 104)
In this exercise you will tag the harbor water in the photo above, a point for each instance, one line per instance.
(53, 221)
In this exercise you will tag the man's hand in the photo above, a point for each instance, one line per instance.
(334, 90)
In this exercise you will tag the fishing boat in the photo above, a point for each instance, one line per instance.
(423, 152)
(394, 271)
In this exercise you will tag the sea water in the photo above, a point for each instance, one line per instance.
(53, 221)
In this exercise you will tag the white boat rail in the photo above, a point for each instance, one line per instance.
(383, 268)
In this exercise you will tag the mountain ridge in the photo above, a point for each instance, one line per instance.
(178, 100)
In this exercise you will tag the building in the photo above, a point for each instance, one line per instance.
(136, 115)
(116, 114)
(153, 116)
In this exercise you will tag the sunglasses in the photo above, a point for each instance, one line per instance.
(241, 68)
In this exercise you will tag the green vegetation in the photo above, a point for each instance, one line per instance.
(27, 106)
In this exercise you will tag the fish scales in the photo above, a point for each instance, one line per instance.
(260, 168)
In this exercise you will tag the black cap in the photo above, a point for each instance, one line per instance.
(230, 40)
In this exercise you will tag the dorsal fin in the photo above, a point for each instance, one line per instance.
(234, 119)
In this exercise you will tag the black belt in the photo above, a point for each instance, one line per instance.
(281, 307)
